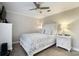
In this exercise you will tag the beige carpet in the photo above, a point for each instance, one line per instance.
(51, 51)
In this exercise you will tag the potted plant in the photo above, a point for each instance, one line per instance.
(3, 15)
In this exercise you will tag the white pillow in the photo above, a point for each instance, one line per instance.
(43, 31)
(48, 31)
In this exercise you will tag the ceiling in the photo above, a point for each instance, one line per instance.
(23, 8)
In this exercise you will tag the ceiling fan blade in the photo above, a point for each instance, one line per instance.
(33, 9)
(44, 7)
(37, 5)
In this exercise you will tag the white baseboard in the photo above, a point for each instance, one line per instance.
(15, 42)
(76, 49)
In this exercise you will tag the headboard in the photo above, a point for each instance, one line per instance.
(49, 29)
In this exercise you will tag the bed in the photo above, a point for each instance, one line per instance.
(35, 42)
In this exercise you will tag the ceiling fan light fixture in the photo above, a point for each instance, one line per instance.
(40, 11)
(48, 10)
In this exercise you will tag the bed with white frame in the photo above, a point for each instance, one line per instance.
(35, 42)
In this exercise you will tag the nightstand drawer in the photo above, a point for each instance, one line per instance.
(58, 42)
(67, 43)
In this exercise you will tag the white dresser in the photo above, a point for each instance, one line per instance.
(6, 34)
(63, 41)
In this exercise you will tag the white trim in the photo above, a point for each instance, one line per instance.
(15, 42)
(76, 49)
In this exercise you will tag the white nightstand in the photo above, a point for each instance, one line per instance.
(64, 42)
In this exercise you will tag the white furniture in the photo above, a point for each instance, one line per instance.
(64, 42)
(6, 34)
(35, 42)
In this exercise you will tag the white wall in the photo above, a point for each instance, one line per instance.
(67, 16)
(72, 18)
(74, 27)
(0, 5)
(22, 24)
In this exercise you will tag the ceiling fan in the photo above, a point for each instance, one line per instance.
(37, 5)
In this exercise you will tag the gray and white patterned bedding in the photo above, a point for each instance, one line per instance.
(35, 41)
